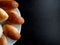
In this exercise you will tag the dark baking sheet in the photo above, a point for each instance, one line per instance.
(42, 22)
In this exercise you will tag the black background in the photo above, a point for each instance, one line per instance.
(42, 22)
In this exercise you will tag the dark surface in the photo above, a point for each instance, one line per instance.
(42, 22)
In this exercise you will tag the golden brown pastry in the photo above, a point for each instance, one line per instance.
(6, 0)
(11, 32)
(14, 18)
(9, 5)
(3, 40)
(3, 15)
